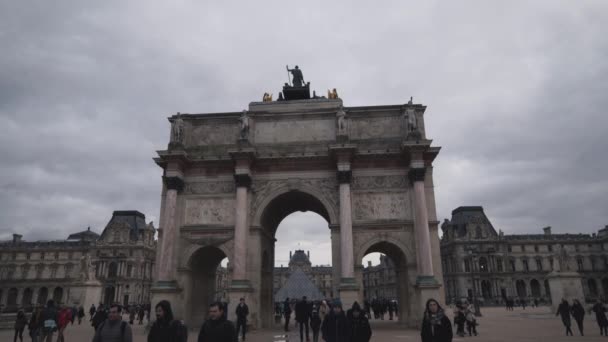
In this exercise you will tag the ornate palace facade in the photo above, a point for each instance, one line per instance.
(476, 257)
(115, 266)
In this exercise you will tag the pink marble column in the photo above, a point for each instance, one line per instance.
(241, 229)
(421, 223)
(166, 273)
(346, 226)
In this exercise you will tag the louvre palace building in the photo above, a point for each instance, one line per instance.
(476, 257)
(86, 268)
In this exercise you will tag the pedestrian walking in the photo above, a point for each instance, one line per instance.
(49, 321)
(470, 320)
(217, 328)
(165, 328)
(303, 317)
(92, 312)
(140, 315)
(459, 320)
(113, 329)
(35, 324)
(563, 310)
(315, 324)
(286, 312)
(360, 331)
(323, 310)
(99, 317)
(335, 327)
(20, 323)
(131, 315)
(600, 317)
(436, 326)
(80, 314)
(578, 312)
(64, 318)
(242, 311)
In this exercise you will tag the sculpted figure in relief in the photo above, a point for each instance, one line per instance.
(244, 125)
(342, 122)
(177, 129)
(87, 269)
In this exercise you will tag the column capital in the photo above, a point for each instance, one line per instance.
(242, 180)
(344, 176)
(174, 183)
(416, 174)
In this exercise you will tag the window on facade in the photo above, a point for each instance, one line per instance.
(14, 256)
(130, 252)
(536, 248)
(550, 248)
(478, 232)
(467, 266)
(539, 264)
(129, 270)
(56, 256)
(27, 256)
(42, 256)
(576, 248)
(483, 264)
(512, 262)
(499, 264)
(70, 255)
(593, 264)
(526, 266)
(551, 264)
(579, 263)
(509, 248)
(523, 248)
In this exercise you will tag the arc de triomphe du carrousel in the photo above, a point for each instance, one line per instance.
(230, 178)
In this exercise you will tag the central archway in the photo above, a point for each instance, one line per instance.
(273, 213)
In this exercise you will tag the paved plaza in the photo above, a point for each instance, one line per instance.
(495, 325)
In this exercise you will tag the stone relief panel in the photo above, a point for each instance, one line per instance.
(376, 128)
(210, 211)
(199, 188)
(381, 206)
(380, 182)
(263, 188)
(212, 134)
(294, 130)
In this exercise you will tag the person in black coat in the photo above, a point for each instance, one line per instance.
(315, 324)
(600, 317)
(242, 311)
(165, 328)
(578, 312)
(217, 328)
(436, 326)
(360, 331)
(563, 310)
(302, 317)
(287, 312)
(335, 326)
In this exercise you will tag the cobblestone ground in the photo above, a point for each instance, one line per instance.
(495, 325)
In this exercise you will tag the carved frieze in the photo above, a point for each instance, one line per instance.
(376, 128)
(381, 206)
(210, 211)
(379, 182)
(201, 188)
(213, 134)
(295, 130)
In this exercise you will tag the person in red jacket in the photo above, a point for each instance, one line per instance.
(64, 318)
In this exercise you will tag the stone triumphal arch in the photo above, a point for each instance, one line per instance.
(230, 178)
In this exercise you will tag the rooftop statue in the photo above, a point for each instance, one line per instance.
(298, 78)
(177, 130)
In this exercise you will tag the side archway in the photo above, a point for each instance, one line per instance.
(203, 264)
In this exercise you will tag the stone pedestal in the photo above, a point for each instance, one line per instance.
(566, 285)
(168, 291)
(84, 294)
(349, 293)
(242, 289)
(426, 288)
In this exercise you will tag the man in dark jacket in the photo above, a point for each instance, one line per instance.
(302, 317)
(100, 317)
(217, 328)
(360, 331)
(563, 310)
(287, 312)
(600, 317)
(335, 327)
(165, 328)
(242, 310)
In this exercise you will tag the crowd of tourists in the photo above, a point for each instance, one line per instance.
(45, 321)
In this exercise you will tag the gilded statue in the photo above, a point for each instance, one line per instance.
(332, 94)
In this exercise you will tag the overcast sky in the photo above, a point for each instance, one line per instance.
(516, 94)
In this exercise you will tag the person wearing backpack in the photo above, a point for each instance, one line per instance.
(49, 321)
(114, 329)
(165, 328)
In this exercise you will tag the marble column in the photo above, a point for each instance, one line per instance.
(346, 226)
(421, 225)
(166, 271)
(241, 229)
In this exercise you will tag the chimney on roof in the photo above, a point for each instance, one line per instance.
(308, 254)
(17, 238)
(289, 255)
(547, 230)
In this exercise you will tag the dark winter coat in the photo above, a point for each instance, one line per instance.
(336, 328)
(100, 317)
(600, 314)
(286, 308)
(241, 312)
(164, 331)
(302, 311)
(578, 312)
(220, 330)
(360, 331)
(436, 328)
(21, 321)
(315, 321)
(564, 311)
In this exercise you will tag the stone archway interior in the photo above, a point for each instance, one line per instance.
(58, 295)
(109, 295)
(397, 256)
(203, 265)
(43, 293)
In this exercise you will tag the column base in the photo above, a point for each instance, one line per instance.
(241, 288)
(427, 287)
(349, 293)
(170, 291)
(424, 281)
(566, 285)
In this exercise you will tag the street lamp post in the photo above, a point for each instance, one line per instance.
(472, 268)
